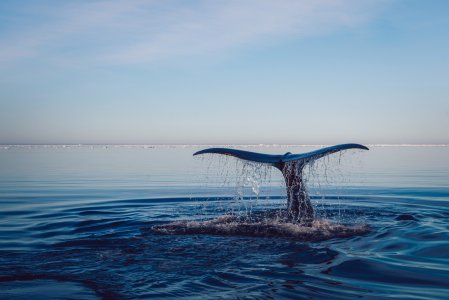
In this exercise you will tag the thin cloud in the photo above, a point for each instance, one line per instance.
(129, 32)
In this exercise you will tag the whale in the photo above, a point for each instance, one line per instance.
(299, 206)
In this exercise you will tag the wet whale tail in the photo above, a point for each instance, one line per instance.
(291, 165)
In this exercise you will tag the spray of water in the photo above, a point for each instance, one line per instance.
(246, 183)
(249, 211)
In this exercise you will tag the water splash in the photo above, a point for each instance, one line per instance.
(252, 184)
(267, 226)
(327, 181)
(241, 180)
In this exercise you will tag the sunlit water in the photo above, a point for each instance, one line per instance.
(82, 222)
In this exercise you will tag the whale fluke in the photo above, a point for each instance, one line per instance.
(299, 207)
(283, 158)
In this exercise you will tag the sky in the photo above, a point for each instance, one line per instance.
(224, 72)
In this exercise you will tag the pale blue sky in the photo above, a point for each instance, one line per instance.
(191, 72)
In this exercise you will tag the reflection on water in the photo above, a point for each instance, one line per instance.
(82, 220)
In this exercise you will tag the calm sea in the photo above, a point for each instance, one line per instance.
(77, 222)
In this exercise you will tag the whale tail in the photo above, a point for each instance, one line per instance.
(299, 207)
(278, 159)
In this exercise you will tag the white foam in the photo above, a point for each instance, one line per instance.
(320, 229)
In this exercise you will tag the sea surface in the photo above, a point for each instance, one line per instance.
(135, 222)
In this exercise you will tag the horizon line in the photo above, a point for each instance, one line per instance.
(215, 144)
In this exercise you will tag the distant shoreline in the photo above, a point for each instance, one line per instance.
(3, 146)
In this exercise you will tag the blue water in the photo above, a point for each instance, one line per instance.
(78, 222)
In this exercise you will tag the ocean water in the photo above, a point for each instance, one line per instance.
(133, 222)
